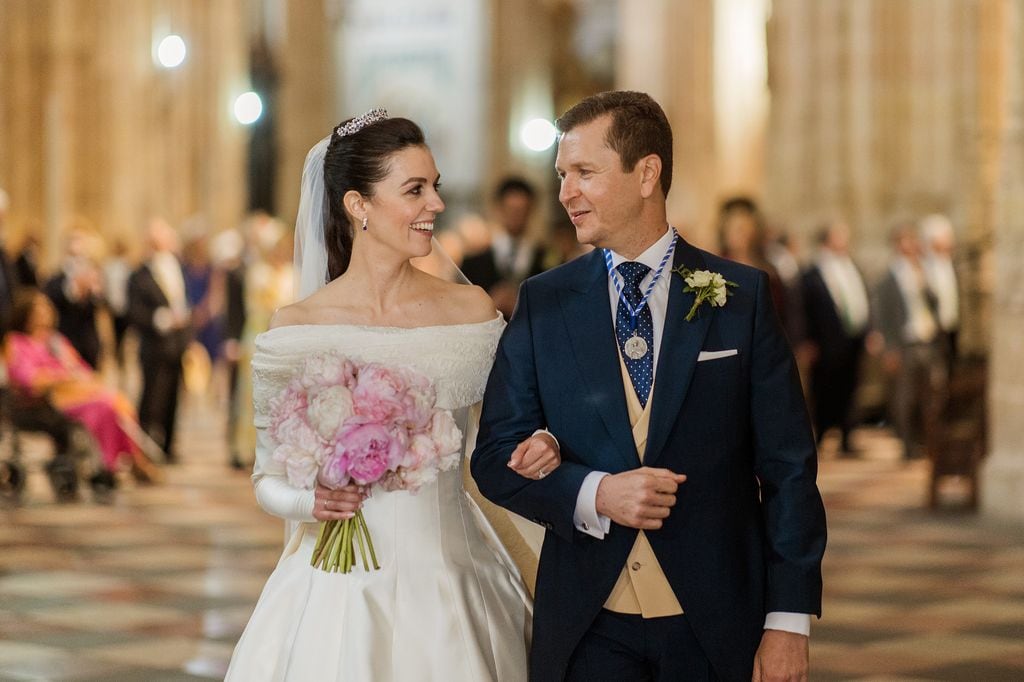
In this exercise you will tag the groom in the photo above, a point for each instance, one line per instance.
(685, 527)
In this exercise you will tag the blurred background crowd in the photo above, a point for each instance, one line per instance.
(183, 312)
(866, 154)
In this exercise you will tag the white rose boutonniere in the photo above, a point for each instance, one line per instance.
(708, 286)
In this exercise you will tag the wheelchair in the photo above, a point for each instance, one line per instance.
(74, 449)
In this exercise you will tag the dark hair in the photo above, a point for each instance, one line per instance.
(21, 309)
(639, 127)
(741, 204)
(512, 185)
(357, 162)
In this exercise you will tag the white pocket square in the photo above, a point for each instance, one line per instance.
(716, 354)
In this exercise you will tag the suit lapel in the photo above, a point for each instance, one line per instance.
(681, 343)
(587, 312)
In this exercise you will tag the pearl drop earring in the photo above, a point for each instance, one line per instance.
(364, 223)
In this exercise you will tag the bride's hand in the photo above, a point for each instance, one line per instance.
(343, 503)
(535, 457)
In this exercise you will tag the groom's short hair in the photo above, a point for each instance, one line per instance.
(639, 127)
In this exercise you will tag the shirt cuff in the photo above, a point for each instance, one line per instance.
(585, 517)
(557, 444)
(798, 623)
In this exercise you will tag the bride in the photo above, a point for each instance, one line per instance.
(447, 602)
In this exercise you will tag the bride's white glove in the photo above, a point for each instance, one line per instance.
(536, 457)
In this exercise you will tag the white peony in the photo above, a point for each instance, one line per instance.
(445, 433)
(328, 410)
(301, 466)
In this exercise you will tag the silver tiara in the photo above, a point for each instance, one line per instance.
(360, 122)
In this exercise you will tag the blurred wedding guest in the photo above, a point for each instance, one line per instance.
(44, 364)
(837, 317)
(116, 271)
(26, 265)
(77, 293)
(158, 310)
(512, 255)
(563, 245)
(905, 315)
(741, 234)
(227, 252)
(939, 243)
(204, 291)
(8, 279)
(269, 285)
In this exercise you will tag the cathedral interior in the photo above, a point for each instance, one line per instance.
(872, 114)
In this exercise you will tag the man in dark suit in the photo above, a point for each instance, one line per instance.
(512, 256)
(76, 292)
(837, 316)
(685, 527)
(158, 310)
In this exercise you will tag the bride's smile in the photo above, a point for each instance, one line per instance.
(401, 212)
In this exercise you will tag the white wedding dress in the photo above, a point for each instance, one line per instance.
(447, 603)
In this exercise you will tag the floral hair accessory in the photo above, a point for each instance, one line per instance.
(360, 122)
(709, 286)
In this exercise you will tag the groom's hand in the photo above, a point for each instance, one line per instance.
(641, 498)
(782, 656)
(535, 457)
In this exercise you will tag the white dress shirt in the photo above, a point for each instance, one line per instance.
(586, 518)
(846, 287)
(941, 277)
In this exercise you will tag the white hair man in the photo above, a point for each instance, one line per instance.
(938, 242)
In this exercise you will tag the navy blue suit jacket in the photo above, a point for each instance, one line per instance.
(747, 534)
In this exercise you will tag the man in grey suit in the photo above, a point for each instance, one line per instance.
(906, 315)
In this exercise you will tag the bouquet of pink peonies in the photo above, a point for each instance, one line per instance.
(341, 422)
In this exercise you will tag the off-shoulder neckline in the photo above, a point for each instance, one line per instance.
(369, 327)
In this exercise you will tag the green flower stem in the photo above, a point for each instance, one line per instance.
(693, 309)
(335, 549)
(321, 538)
(330, 530)
(362, 546)
(346, 546)
(369, 540)
(332, 564)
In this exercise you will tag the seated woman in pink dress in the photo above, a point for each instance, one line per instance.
(42, 363)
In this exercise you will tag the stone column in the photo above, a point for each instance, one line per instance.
(1002, 488)
(666, 49)
(307, 93)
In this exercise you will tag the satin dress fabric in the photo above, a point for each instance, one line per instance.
(447, 603)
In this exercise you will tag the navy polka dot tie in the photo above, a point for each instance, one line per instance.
(641, 371)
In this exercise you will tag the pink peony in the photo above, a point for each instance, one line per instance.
(291, 401)
(418, 403)
(380, 393)
(422, 450)
(295, 431)
(372, 450)
(334, 469)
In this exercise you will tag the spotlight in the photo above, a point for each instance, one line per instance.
(171, 51)
(248, 108)
(538, 134)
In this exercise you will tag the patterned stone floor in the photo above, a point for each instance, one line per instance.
(157, 585)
